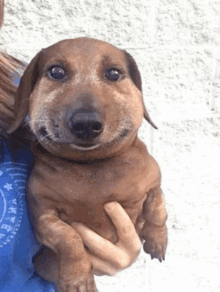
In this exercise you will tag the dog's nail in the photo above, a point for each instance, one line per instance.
(152, 256)
(160, 258)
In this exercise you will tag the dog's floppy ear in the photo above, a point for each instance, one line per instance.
(23, 93)
(136, 78)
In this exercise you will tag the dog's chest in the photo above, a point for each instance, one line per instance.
(96, 182)
(81, 190)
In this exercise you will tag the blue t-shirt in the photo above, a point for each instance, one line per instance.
(17, 242)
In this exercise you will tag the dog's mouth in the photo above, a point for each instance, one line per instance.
(85, 146)
(82, 145)
(75, 143)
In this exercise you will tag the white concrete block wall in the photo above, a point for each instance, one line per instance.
(176, 44)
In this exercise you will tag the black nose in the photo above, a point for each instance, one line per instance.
(86, 124)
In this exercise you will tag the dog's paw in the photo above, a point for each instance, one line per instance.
(83, 284)
(156, 243)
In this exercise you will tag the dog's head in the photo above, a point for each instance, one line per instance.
(83, 99)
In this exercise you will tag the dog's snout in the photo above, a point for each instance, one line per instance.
(86, 125)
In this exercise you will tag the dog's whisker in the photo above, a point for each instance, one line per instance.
(44, 138)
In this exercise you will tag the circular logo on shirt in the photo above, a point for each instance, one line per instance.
(12, 187)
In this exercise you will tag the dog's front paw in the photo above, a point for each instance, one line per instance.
(156, 242)
(82, 284)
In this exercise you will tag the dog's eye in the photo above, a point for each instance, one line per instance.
(113, 74)
(57, 72)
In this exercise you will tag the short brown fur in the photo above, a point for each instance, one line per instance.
(72, 181)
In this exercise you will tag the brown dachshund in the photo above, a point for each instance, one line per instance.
(84, 105)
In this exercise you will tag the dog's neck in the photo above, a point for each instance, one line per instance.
(137, 144)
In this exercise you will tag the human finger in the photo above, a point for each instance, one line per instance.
(98, 245)
(126, 232)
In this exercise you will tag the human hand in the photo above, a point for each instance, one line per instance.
(109, 258)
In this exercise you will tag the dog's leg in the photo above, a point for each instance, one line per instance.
(154, 231)
(74, 263)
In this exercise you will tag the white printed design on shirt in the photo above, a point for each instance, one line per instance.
(13, 177)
